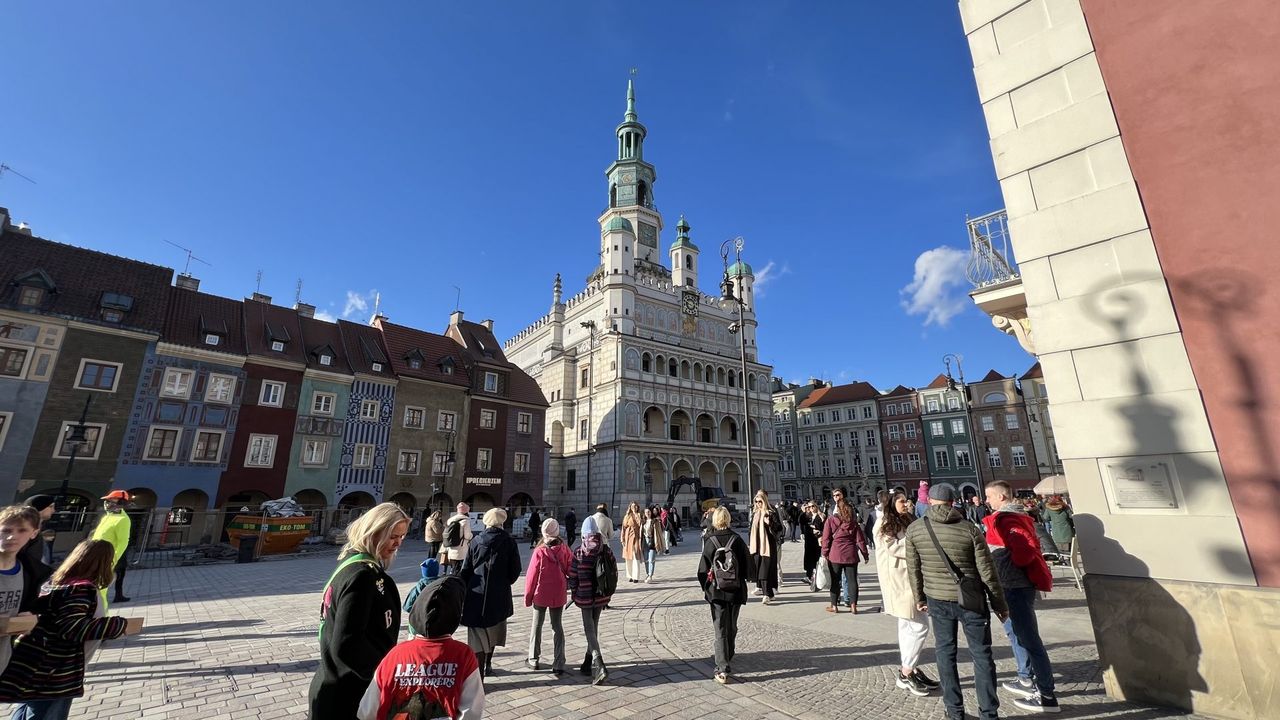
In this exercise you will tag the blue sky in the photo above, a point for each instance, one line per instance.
(408, 147)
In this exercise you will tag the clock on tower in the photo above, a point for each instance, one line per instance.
(689, 308)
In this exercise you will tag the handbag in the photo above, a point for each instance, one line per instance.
(973, 593)
(822, 575)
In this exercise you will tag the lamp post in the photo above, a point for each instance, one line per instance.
(731, 297)
(446, 471)
(590, 325)
(76, 436)
(964, 400)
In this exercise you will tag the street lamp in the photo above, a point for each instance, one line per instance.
(77, 436)
(591, 328)
(446, 469)
(731, 299)
(964, 399)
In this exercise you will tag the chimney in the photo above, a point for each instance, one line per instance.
(23, 228)
(488, 324)
(455, 317)
(259, 297)
(187, 282)
(305, 309)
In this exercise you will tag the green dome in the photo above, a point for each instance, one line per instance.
(740, 268)
(684, 242)
(619, 223)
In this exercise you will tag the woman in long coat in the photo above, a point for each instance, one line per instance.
(811, 526)
(632, 547)
(653, 540)
(842, 543)
(491, 567)
(890, 532)
(763, 543)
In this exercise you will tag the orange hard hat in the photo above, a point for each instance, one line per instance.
(118, 496)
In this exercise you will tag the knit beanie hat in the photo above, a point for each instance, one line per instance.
(550, 529)
(438, 609)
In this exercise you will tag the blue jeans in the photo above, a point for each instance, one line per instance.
(59, 709)
(650, 560)
(946, 616)
(1024, 635)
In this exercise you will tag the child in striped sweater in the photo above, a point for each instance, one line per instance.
(46, 671)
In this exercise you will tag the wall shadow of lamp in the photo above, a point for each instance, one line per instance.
(1151, 653)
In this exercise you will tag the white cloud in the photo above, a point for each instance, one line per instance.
(937, 290)
(767, 274)
(326, 316)
(357, 303)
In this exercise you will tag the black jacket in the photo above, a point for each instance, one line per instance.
(491, 567)
(730, 539)
(34, 572)
(361, 623)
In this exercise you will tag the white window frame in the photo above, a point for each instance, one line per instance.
(937, 429)
(422, 417)
(305, 461)
(871, 438)
(439, 463)
(988, 423)
(962, 452)
(821, 417)
(909, 430)
(316, 397)
(840, 466)
(931, 404)
(484, 459)
(898, 464)
(524, 423)
(491, 382)
(26, 361)
(808, 466)
(6, 419)
(446, 420)
(357, 451)
(895, 432)
(808, 442)
(837, 441)
(825, 464)
(942, 462)
(277, 346)
(248, 452)
(913, 461)
(326, 359)
(867, 412)
(873, 464)
(957, 426)
(115, 383)
(994, 460)
(417, 462)
(1018, 455)
(364, 408)
(177, 442)
(62, 433)
(953, 403)
(822, 441)
(212, 339)
(173, 372)
(1011, 421)
(222, 443)
(208, 389)
(522, 462)
(376, 367)
(279, 397)
(488, 419)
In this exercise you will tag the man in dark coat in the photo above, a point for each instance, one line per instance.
(37, 555)
(570, 526)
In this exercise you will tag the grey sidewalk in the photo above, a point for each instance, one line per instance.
(238, 641)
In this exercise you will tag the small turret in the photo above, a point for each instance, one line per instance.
(684, 257)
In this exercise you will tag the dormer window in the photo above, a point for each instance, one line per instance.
(446, 366)
(211, 339)
(414, 359)
(31, 296)
(377, 367)
(415, 364)
(113, 306)
(277, 346)
(326, 359)
(112, 315)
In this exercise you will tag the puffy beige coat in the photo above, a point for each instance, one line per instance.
(891, 568)
(456, 554)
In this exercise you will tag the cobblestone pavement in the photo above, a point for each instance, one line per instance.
(238, 641)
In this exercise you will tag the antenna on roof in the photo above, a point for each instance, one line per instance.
(5, 168)
(457, 298)
(297, 292)
(377, 306)
(190, 256)
(258, 288)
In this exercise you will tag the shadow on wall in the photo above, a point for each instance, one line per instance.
(1147, 646)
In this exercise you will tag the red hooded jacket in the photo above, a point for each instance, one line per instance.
(1016, 532)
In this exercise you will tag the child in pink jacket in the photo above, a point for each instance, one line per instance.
(545, 589)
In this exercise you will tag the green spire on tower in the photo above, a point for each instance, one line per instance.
(631, 103)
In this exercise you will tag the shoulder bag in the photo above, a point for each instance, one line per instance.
(973, 594)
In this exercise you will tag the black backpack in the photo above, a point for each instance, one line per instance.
(605, 579)
(723, 573)
(453, 534)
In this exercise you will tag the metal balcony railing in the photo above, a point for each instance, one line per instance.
(989, 250)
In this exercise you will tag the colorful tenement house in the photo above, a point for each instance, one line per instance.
(277, 359)
(840, 440)
(947, 435)
(362, 470)
(1001, 432)
(1035, 394)
(506, 446)
(906, 462)
(316, 454)
(428, 424)
(785, 431)
(187, 404)
(76, 326)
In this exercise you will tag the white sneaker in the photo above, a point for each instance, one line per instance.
(767, 600)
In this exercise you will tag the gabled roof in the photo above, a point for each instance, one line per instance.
(900, 391)
(938, 383)
(993, 376)
(363, 346)
(1033, 372)
(78, 278)
(192, 315)
(836, 394)
(480, 347)
(402, 341)
(264, 323)
(324, 338)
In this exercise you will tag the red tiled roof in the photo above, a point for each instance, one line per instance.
(264, 322)
(1033, 372)
(840, 394)
(364, 347)
(993, 376)
(480, 346)
(193, 314)
(80, 277)
(939, 382)
(317, 336)
(401, 342)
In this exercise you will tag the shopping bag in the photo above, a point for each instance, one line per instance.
(822, 576)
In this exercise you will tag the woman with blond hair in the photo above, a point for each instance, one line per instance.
(632, 546)
(359, 613)
(725, 602)
(653, 540)
(491, 567)
(763, 542)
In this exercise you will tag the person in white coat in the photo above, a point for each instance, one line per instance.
(890, 531)
(603, 523)
(451, 556)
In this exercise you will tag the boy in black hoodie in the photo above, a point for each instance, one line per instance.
(431, 675)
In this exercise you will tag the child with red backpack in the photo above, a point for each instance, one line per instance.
(545, 589)
(593, 577)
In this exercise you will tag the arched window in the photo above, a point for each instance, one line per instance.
(633, 474)
(751, 382)
(673, 369)
(632, 359)
(633, 420)
(646, 362)
(642, 194)
(684, 369)
(688, 262)
(613, 196)
(733, 379)
(995, 398)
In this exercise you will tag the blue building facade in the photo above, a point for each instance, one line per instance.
(28, 351)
